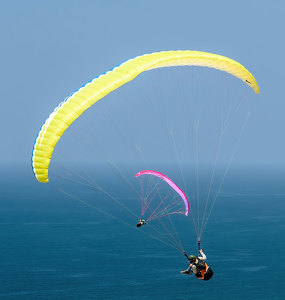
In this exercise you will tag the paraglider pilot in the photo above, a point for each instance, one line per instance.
(141, 223)
(198, 266)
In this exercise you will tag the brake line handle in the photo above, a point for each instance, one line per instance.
(185, 255)
(199, 246)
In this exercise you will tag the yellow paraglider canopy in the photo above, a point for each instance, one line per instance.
(86, 96)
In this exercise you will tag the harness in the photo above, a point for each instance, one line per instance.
(202, 268)
(201, 273)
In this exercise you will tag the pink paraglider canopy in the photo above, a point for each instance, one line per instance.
(171, 183)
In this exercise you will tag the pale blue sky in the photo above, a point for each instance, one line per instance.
(51, 48)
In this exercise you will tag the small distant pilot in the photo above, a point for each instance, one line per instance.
(141, 223)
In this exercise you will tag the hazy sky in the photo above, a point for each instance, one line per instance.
(51, 48)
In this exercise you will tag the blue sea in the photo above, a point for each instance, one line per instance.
(54, 247)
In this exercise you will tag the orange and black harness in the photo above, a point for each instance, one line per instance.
(202, 268)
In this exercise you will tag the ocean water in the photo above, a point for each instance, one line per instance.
(54, 247)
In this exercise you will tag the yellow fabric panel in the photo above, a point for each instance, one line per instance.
(81, 100)
(40, 165)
